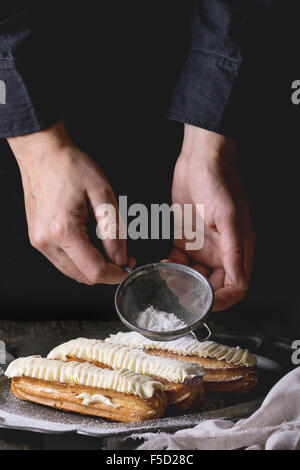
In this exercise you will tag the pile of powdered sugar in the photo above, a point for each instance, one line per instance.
(156, 320)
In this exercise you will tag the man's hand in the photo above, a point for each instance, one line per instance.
(59, 182)
(206, 173)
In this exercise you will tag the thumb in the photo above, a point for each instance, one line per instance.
(232, 252)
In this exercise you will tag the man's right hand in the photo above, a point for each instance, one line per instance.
(59, 182)
(206, 173)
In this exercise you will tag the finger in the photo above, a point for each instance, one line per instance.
(217, 278)
(202, 269)
(91, 262)
(178, 256)
(249, 246)
(226, 297)
(182, 289)
(232, 252)
(106, 212)
(170, 277)
(64, 264)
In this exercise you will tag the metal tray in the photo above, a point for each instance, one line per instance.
(18, 414)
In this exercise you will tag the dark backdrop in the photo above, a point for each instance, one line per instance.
(120, 64)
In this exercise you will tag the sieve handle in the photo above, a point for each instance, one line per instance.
(126, 268)
(197, 335)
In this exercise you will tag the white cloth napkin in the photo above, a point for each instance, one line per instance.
(274, 426)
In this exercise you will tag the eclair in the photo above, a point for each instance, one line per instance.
(182, 381)
(226, 369)
(119, 395)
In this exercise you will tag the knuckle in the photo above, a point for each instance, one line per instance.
(231, 212)
(38, 240)
(106, 193)
(59, 230)
(87, 282)
(243, 289)
(96, 276)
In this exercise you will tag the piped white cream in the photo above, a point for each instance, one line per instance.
(83, 373)
(119, 356)
(188, 346)
(88, 399)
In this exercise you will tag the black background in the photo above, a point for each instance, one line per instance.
(118, 65)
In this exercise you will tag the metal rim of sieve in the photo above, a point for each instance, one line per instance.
(165, 335)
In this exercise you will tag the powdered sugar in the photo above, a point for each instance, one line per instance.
(156, 320)
(21, 414)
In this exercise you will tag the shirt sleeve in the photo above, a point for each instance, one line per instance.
(208, 92)
(29, 88)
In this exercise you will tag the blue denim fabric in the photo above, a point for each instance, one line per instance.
(207, 93)
(32, 97)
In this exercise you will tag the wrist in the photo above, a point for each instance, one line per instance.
(48, 141)
(206, 146)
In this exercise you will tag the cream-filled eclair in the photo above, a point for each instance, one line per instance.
(119, 395)
(182, 381)
(226, 369)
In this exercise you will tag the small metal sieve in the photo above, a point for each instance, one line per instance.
(168, 287)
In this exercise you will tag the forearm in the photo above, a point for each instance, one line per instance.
(47, 141)
(210, 145)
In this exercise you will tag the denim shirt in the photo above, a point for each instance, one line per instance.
(207, 91)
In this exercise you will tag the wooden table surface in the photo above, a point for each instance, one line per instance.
(276, 320)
